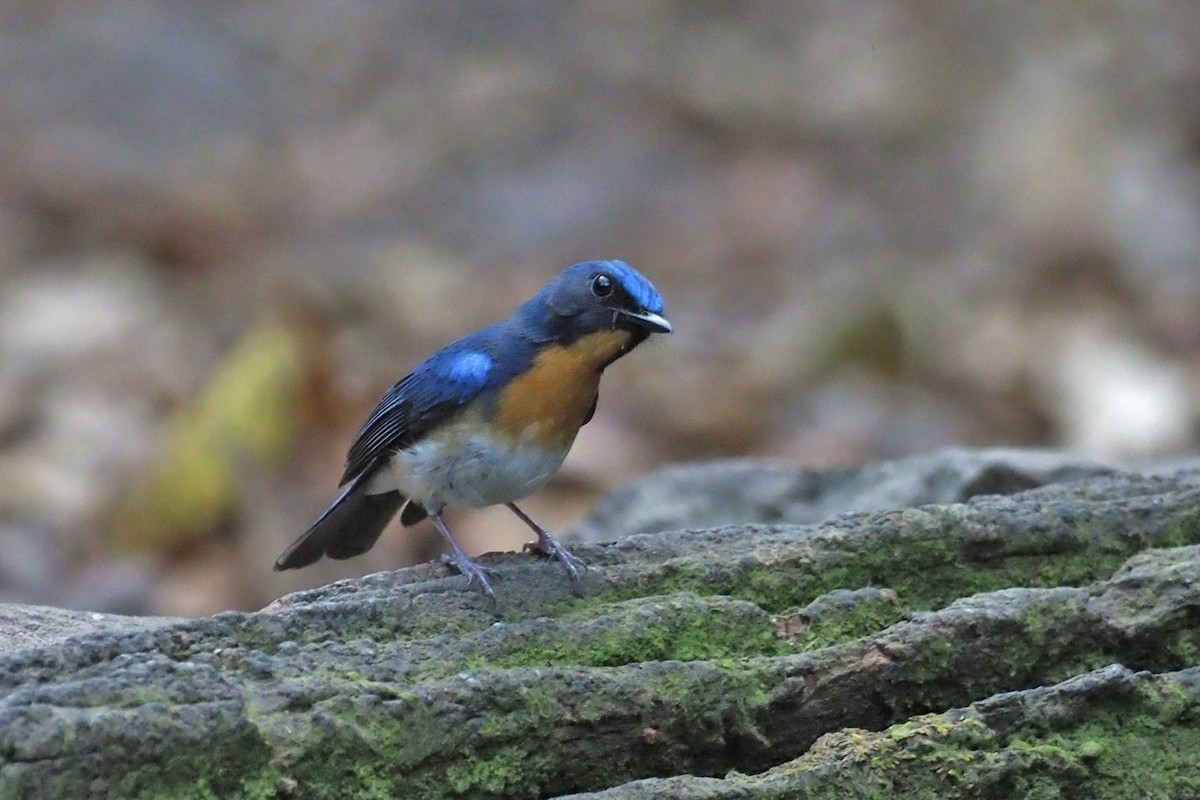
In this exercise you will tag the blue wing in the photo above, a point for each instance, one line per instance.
(420, 401)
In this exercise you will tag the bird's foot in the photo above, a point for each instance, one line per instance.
(474, 572)
(549, 547)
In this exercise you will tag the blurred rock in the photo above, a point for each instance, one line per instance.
(709, 495)
(26, 627)
(1117, 398)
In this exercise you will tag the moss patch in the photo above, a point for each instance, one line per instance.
(842, 615)
(677, 628)
(1143, 745)
(911, 553)
(502, 750)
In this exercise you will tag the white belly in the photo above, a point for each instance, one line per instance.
(472, 471)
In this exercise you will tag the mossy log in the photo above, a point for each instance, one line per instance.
(719, 655)
(1108, 733)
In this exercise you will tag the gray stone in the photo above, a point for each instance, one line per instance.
(24, 628)
(769, 650)
(754, 491)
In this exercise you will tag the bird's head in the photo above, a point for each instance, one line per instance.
(595, 296)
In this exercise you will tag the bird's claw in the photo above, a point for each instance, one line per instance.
(473, 572)
(549, 547)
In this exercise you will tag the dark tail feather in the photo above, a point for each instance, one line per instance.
(412, 514)
(349, 527)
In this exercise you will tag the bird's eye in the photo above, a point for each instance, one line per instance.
(602, 285)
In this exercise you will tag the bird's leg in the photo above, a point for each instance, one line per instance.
(462, 562)
(549, 545)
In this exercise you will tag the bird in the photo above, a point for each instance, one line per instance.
(488, 419)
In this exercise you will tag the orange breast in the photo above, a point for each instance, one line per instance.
(546, 405)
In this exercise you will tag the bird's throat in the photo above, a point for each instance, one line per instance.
(548, 402)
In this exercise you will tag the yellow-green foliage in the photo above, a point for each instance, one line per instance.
(244, 418)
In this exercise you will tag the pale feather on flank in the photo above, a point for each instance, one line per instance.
(461, 466)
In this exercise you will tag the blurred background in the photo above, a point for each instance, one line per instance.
(882, 227)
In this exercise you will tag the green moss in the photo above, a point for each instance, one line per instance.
(509, 772)
(199, 789)
(678, 628)
(405, 748)
(1050, 640)
(217, 781)
(1138, 746)
(927, 570)
(928, 757)
(1185, 532)
(1133, 757)
(1184, 648)
(263, 785)
(409, 750)
(841, 616)
(536, 706)
(924, 573)
(708, 708)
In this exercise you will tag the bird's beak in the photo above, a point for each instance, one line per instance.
(655, 323)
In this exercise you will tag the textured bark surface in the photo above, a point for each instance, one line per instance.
(747, 660)
(1107, 733)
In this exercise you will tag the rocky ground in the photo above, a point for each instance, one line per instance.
(1028, 626)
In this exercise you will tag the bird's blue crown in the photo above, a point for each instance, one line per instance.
(640, 289)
